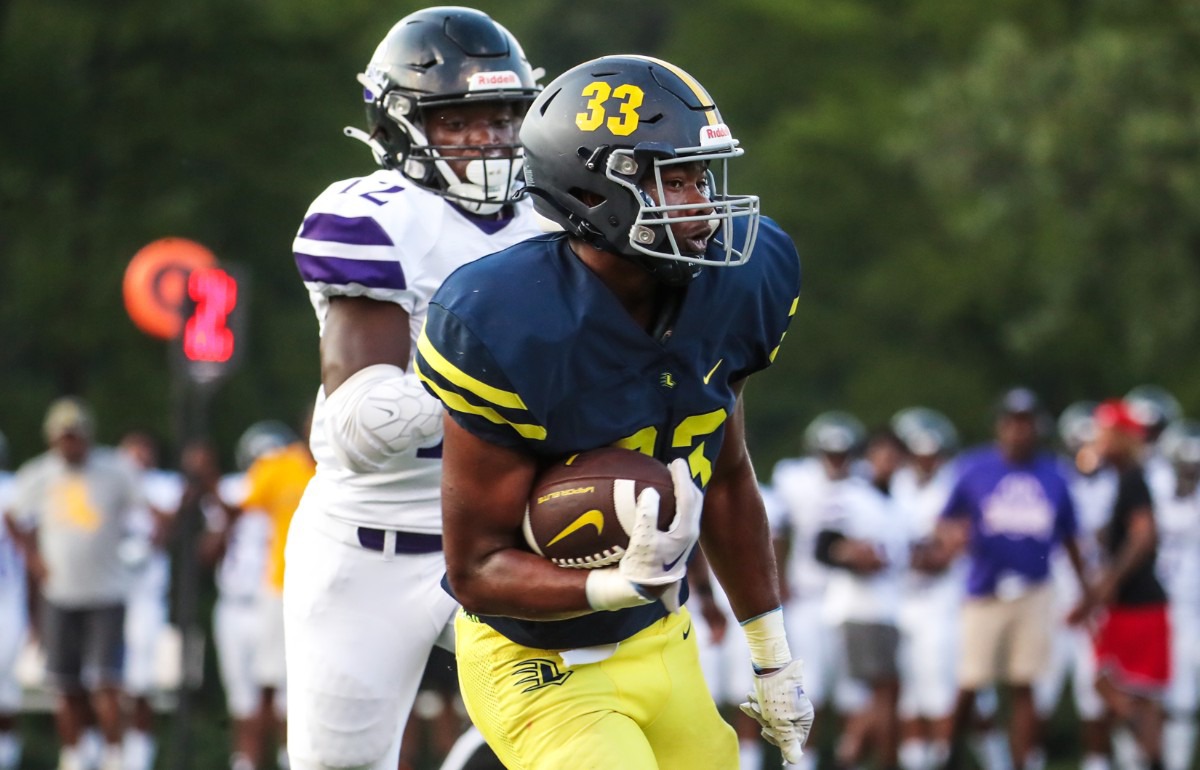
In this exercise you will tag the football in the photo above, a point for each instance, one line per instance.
(581, 509)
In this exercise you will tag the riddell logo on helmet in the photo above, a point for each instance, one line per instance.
(488, 80)
(718, 134)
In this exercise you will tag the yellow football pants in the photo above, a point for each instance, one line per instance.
(645, 708)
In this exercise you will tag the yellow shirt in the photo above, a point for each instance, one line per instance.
(275, 483)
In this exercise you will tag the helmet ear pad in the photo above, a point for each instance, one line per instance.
(390, 135)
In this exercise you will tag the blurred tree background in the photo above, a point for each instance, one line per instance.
(983, 193)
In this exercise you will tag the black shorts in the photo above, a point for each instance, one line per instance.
(85, 647)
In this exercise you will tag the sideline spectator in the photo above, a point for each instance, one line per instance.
(72, 509)
(13, 623)
(1009, 509)
(146, 612)
(933, 593)
(804, 486)
(275, 482)
(1177, 514)
(862, 539)
(237, 547)
(1093, 488)
(1133, 639)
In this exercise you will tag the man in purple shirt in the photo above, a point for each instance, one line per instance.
(1008, 511)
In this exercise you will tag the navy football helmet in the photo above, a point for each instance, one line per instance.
(439, 57)
(605, 127)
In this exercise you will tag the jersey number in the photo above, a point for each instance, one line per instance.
(629, 98)
(691, 432)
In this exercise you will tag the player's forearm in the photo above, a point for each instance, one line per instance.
(737, 542)
(517, 584)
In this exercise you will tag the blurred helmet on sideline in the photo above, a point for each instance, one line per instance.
(259, 439)
(834, 432)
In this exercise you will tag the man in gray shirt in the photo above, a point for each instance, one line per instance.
(71, 509)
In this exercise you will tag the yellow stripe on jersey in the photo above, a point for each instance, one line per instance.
(691, 83)
(456, 402)
(502, 398)
(791, 313)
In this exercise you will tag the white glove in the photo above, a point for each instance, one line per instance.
(654, 557)
(779, 704)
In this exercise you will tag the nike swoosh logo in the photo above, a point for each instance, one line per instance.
(688, 632)
(593, 517)
(713, 371)
(669, 565)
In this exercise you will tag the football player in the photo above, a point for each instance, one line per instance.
(932, 594)
(13, 622)
(1093, 487)
(1177, 512)
(237, 545)
(445, 93)
(832, 441)
(275, 481)
(146, 611)
(635, 327)
(861, 538)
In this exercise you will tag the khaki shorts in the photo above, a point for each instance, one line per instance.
(1006, 641)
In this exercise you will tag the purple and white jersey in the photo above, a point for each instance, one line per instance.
(384, 238)
(1018, 514)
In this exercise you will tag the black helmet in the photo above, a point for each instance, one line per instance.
(603, 127)
(438, 57)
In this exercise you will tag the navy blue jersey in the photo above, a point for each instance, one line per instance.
(529, 349)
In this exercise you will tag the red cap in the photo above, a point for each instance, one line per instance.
(1116, 414)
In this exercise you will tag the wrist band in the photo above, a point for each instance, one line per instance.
(767, 639)
(607, 589)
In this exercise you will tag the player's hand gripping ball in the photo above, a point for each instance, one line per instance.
(582, 508)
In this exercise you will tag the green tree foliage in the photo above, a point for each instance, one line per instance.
(1065, 181)
(982, 193)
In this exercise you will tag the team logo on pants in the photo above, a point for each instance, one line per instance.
(539, 673)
